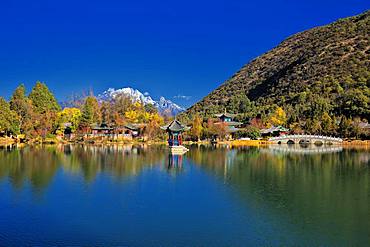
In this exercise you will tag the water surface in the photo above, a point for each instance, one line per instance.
(142, 196)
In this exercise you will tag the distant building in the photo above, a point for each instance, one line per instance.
(274, 131)
(101, 130)
(227, 119)
(126, 132)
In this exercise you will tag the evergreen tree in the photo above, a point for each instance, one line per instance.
(22, 106)
(345, 127)
(90, 113)
(42, 99)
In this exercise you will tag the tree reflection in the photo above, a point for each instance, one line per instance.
(314, 191)
(37, 165)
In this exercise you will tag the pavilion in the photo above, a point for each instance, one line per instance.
(175, 130)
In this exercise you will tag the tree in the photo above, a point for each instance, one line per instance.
(42, 99)
(327, 124)
(71, 116)
(355, 127)
(197, 128)
(250, 131)
(152, 129)
(278, 117)
(22, 106)
(345, 127)
(150, 108)
(107, 115)
(90, 113)
(8, 119)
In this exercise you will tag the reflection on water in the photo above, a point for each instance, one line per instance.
(305, 149)
(38, 164)
(270, 196)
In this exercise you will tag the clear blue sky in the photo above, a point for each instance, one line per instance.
(164, 47)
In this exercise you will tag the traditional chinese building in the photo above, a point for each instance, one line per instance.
(227, 120)
(101, 130)
(175, 130)
(274, 131)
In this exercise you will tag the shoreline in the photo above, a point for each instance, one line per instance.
(235, 143)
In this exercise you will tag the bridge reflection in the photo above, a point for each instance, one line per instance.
(305, 149)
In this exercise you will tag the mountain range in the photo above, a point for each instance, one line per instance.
(163, 105)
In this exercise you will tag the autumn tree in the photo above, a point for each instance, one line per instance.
(278, 117)
(8, 119)
(152, 129)
(72, 116)
(197, 128)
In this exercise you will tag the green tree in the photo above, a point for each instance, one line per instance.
(90, 113)
(345, 127)
(42, 99)
(327, 124)
(8, 119)
(22, 106)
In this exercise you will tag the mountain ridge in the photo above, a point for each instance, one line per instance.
(335, 55)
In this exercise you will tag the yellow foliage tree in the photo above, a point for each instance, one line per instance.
(197, 128)
(132, 116)
(68, 115)
(278, 117)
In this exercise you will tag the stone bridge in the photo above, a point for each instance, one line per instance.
(305, 139)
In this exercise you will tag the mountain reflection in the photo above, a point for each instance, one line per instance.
(311, 190)
(323, 193)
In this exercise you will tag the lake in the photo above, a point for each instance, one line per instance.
(75, 195)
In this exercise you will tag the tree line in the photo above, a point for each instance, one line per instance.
(39, 115)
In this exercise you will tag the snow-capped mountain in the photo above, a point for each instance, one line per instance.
(163, 105)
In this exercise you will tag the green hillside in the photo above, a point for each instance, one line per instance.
(319, 72)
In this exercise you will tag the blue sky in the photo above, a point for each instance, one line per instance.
(167, 48)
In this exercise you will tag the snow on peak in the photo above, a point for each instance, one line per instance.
(163, 105)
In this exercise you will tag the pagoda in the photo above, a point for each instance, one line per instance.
(175, 130)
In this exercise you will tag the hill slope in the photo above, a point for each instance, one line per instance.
(324, 69)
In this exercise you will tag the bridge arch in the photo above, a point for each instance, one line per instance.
(319, 143)
(290, 142)
(304, 141)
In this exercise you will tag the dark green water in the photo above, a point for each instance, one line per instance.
(142, 196)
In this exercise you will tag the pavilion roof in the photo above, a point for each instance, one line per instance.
(175, 126)
(102, 126)
(225, 114)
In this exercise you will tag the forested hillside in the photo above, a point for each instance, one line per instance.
(319, 73)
